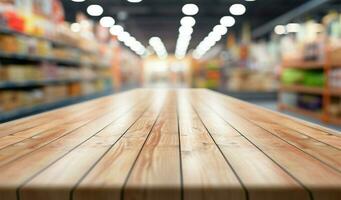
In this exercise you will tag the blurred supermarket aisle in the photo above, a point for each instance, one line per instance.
(54, 53)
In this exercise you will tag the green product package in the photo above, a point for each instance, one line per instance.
(292, 76)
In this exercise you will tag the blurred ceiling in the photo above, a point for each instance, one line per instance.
(162, 17)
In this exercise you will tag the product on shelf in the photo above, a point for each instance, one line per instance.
(251, 80)
(335, 78)
(335, 107)
(289, 99)
(310, 102)
(313, 78)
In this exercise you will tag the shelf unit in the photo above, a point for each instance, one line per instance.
(326, 92)
(34, 59)
(4, 30)
(26, 84)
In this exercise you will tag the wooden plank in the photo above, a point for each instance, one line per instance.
(28, 123)
(30, 144)
(319, 133)
(156, 174)
(321, 180)
(258, 172)
(49, 184)
(327, 154)
(106, 180)
(58, 125)
(14, 174)
(206, 174)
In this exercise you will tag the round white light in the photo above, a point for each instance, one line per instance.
(185, 30)
(116, 30)
(154, 41)
(237, 9)
(123, 36)
(280, 30)
(214, 36)
(220, 29)
(187, 21)
(77, 0)
(190, 9)
(293, 27)
(227, 21)
(95, 10)
(75, 27)
(134, 1)
(107, 21)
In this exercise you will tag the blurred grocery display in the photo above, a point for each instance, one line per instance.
(57, 52)
(310, 74)
(46, 62)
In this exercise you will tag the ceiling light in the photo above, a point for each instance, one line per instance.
(280, 30)
(116, 30)
(123, 36)
(222, 30)
(134, 1)
(75, 27)
(95, 10)
(186, 30)
(107, 21)
(293, 27)
(237, 9)
(154, 41)
(77, 0)
(187, 21)
(214, 36)
(190, 9)
(227, 21)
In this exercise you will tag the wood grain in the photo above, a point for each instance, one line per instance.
(206, 174)
(181, 144)
(257, 171)
(322, 181)
(106, 180)
(78, 162)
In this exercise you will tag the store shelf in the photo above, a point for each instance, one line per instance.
(14, 56)
(310, 90)
(54, 42)
(317, 115)
(303, 89)
(22, 112)
(32, 58)
(26, 84)
(303, 64)
(335, 91)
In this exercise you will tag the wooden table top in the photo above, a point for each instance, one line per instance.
(168, 144)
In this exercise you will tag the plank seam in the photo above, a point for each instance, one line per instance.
(295, 146)
(180, 154)
(14, 134)
(226, 160)
(289, 143)
(67, 133)
(297, 180)
(299, 121)
(139, 153)
(30, 178)
(44, 114)
(104, 154)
